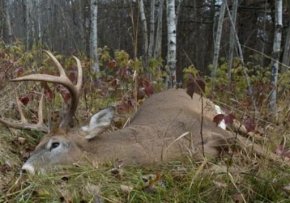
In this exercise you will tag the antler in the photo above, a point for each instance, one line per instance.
(63, 80)
(23, 123)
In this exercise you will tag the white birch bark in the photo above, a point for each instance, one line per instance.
(179, 3)
(158, 38)
(286, 54)
(232, 37)
(171, 45)
(152, 29)
(276, 55)
(39, 22)
(94, 36)
(8, 20)
(28, 19)
(144, 29)
(218, 40)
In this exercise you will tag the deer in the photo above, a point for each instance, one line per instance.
(168, 126)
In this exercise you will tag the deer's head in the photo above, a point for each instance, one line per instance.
(57, 147)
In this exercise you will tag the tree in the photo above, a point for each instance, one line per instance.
(171, 44)
(232, 37)
(286, 54)
(152, 29)
(144, 29)
(8, 20)
(276, 55)
(218, 37)
(158, 37)
(29, 24)
(94, 36)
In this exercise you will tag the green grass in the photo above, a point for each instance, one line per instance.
(179, 182)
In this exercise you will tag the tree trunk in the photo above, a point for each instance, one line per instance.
(28, 19)
(178, 9)
(171, 45)
(145, 30)
(158, 38)
(218, 41)
(286, 54)
(276, 55)
(39, 22)
(152, 29)
(94, 36)
(8, 21)
(232, 37)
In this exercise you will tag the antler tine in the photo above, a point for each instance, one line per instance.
(80, 74)
(23, 123)
(63, 80)
(56, 62)
(40, 109)
(19, 108)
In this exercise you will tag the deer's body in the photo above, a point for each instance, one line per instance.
(153, 135)
(166, 126)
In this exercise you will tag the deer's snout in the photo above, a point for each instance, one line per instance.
(28, 168)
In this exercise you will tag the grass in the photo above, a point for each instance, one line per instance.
(181, 181)
(240, 178)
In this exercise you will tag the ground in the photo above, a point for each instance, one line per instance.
(239, 178)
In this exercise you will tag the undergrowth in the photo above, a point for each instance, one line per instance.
(243, 177)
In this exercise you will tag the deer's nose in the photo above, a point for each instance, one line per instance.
(27, 168)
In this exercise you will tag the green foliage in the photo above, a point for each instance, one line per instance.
(182, 181)
(190, 70)
(122, 58)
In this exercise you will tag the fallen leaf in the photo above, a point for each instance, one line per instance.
(126, 189)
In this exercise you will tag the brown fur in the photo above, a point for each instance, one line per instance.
(154, 133)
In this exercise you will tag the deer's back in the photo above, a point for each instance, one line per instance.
(167, 125)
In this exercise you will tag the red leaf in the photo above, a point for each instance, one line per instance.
(229, 119)
(19, 71)
(190, 86)
(112, 64)
(48, 93)
(250, 124)
(24, 100)
(64, 93)
(218, 118)
(66, 96)
(72, 75)
(196, 84)
(200, 85)
(148, 88)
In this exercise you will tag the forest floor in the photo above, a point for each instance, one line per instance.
(240, 177)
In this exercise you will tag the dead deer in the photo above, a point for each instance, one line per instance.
(165, 127)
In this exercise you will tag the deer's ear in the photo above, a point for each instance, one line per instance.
(99, 122)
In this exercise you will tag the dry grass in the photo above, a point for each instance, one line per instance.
(237, 178)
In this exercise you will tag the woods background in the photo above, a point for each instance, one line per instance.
(65, 26)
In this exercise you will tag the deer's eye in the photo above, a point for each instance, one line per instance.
(54, 145)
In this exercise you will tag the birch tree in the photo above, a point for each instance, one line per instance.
(171, 44)
(29, 24)
(39, 21)
(152, 29)
(276, 55)
(144, 29)
(8, 20)
(217, 43)
(94, 36)
(286, 54)
(232, 37)
(159, 27)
